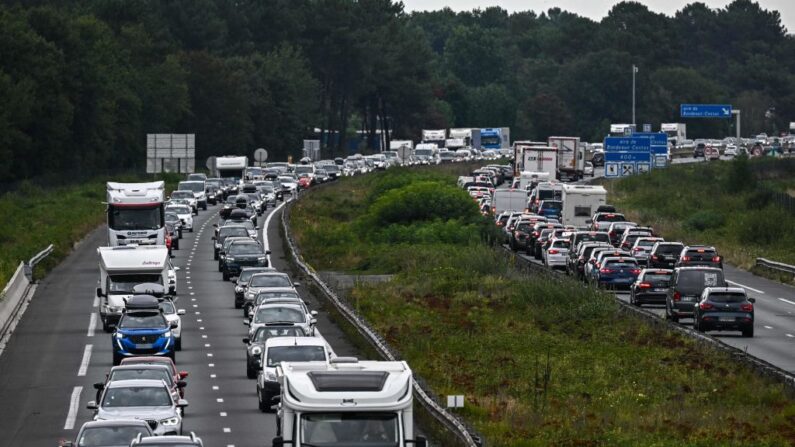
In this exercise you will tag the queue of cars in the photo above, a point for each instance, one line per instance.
(614, 253)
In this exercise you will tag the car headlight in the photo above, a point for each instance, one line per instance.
(230, 258)
(170, 421)
(256, 350)
(238, 289)
(250, 295)
(119, 335)
(270, 376)
(167, 334)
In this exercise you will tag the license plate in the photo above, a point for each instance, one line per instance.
(143, 346)
(727, 319)
(688, 298)
(660, 290)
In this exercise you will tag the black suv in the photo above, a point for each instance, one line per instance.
(242, 254)
(651, 287)
(665, 254)
(699, 150)
(699, 255)
(687, 285)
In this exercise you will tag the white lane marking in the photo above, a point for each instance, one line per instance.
(787, 301)
(745, 287)
(206, 345)
(790, 335)
(74, 404)
(211, 365)
(219, 400)
(92, 325)
(86, 359)
(265, 228)
(215, 387)
(96, 301)
(223, 414)
(768, 327)
(209, 354)
(192, 293)
(227, 430)
(201, 328)
(212, 376)
(195, 305)
(198, 320)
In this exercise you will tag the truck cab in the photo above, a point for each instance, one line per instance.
(136, 213)
(123, 268)
(346, 402)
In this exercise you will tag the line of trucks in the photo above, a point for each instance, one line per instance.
(561, 158)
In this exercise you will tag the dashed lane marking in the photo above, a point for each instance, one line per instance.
(74, 405)
(86, 360)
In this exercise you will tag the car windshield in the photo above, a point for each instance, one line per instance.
(135, 218)
(271, 314)
(265, 333)
(544, 194)
(192, 186)
(123, 284)
(182, 195)
(350, 429)
(167, 307)
(143, 373)
(179, 209)
(646, 243)
(225, 232)
(264, 296)
(303, 169)
(727, 297)
(270, 281)
(110, 436)
(278, 354)
(423, 152)
(134, 396)
(694, 281)
(245, 249)
(172, 217)
(524, 226)
(143, 320)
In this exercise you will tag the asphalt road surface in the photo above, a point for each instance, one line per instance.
(58, 350)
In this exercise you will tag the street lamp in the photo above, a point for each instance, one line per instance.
(634, 71)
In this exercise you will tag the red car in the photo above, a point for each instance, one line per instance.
(305, 182)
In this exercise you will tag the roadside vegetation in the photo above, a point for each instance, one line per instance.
(35, 217)
(740, 206)
(540, 361)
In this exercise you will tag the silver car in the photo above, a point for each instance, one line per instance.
(145, 399)
(297, 314)
(556, 254)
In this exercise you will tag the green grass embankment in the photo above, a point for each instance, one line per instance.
(35, 217)
(729, 204)
(540, 362)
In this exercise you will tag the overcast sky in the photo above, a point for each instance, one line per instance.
(595, 9)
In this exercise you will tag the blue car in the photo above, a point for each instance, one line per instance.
(617, 272)
(550, 209)
(142, 330)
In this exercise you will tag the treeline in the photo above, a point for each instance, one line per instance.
(82, 82)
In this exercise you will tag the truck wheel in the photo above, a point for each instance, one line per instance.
(191, 229)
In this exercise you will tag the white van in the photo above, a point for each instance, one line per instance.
(508, 200)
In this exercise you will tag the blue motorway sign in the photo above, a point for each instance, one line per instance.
(627, 144)
(705, 110)
(659, 147)
(623, 164)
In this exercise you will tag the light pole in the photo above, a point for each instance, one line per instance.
(634, 70)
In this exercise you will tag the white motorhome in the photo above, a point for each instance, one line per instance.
(580, 203)
(346, 402)
(508, 200)
(136, 213)
(230, 166)
(427, 154)
(121, 269)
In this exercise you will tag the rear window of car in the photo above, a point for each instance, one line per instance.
(694, 281)
(669, 249)
(727, 297)
(596, 237)
(621, 265)
(646, 243)
(610, 217)
(701, 254)
(658, 278)
(524, 226)
(560, 244)
(552, 205)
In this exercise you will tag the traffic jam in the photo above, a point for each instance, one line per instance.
(571, 228)
(143, 399)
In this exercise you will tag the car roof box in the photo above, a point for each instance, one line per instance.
(142, 302)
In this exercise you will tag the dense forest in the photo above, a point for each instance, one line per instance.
(83, 81)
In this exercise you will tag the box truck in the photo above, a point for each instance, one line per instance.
(571, 157)
(436, 137)
(471, 137)
(531, 156)
(676, 132)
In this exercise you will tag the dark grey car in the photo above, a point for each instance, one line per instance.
(687, 285)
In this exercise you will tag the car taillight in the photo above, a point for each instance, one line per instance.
(716, 259)
(644, 285)
(637, 249)
(605, 271)
(685, 258)
(612, 233)
(635, 271)
(705, 306)
(535, 233)
(747, 307)
(654, 257)
(677, 296)
(499, 224)
(552, 251)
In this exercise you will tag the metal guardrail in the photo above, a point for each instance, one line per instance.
(773, 265)
(38, 257)
(431, 403)
(15, 295)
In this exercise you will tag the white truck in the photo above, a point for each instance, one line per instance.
(571, 157)
(230, 166)
(403, 150)
(676, 132)
(136, 213)
(121, 269)
(434, 136)
(531, 156)
(508, 200)
(580, 203)
(346, 402)
(530, 178)
(471, 137)
(426, 154)
(621, 130)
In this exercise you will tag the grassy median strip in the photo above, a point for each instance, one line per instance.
(730, 204)
(541, 362)
(35, 217)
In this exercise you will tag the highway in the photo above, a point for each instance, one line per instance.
(58, 350)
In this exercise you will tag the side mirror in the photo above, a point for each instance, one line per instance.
(313, 313)
(173, 325)
(67, 444)
(267, 252)
(181, 384)
(214, 238)
(176, 269)
(420, 441)
(91, 405)
(99, 386)
(183, 374)
(278, 442)
(245, 322)
(313, 321)
(246, 341)
(215, 225)
(276, 399)
(751, 300)
(182, 403)
(181, 312)
(99, 292)
(297, 284)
